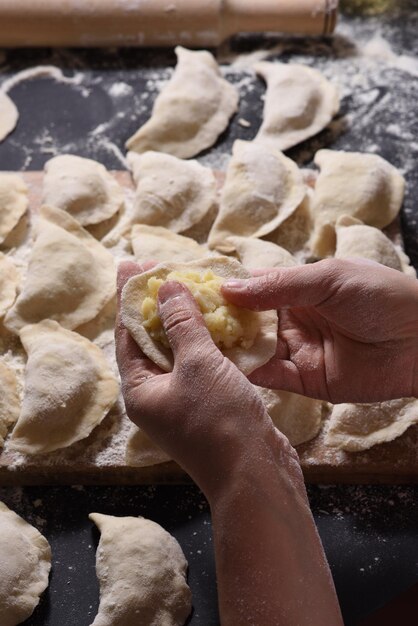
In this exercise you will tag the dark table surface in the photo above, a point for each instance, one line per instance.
(369, 532)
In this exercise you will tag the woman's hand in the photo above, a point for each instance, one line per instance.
(348, 329)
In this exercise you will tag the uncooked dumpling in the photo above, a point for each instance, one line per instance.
(141, 451)
(70, 278)
(13, 202)
(262, 189)
(8, 115)
(69, 389)
(9, 400)
(25, 566)
(159, 244)
(257, 253)
(297, 417)
(247, 338)
(299, 103)
(355, 239)
(363, 186)
(142, 573)
(9, 279)
(191, 111)
(355, 427)
(81, 187)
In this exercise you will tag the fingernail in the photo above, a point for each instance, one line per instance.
(235, 285)
(169, 291)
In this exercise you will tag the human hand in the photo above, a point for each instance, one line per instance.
(205, 413)
(348, 329)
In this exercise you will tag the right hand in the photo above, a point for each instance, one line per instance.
(348, 329)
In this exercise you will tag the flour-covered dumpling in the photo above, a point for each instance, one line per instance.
(297, 417)
(247, 338)
(159, 244)
(141, 451)
(299, 103)
(81, 187)
(262, 189)
(69, 389)
(13, 202)
(9, 400)
(142, 573)
(8, 115)
(359, 185)
(24, 570)
(191, 111)
(355, 427)
(257, 253)
(9, 280)
(70, 277)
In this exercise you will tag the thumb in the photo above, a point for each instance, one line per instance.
(182, 321)
(306, 285)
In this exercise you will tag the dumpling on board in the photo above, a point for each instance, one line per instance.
(159, 244)
(9, 399)
(142, 573)
(69, 389)
(81, 187)
(355, 427)
(359, 185)
(300, 102)
(258, 254)
(13, 202)
(26, 563)
(171, 193)
(9, 280)
(262, 189)
(8, 115)
(70, 277)
(191, 111)
(141, 451)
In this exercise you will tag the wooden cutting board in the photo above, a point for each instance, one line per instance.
(394, 462)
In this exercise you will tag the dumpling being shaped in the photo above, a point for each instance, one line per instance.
(8, 115)
(171, 193)
(142, 573)
(257, 253)
(247, 338)
(81, 187)
(9, 280)
(26, 563)
(360, 185)
(191, 111)
(69, 389)
(262, 189)
(355, 427)
(9, 399)
(70, 278)
(299, 103)
(159, 244)
(13, 202)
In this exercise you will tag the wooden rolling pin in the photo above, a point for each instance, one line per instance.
(193, 23)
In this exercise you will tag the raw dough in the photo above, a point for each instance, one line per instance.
(363, 186)
(170, 192)
(258, 254)
(9, 279)
(299, 103)
(9, 400)
(141, 451)
(297, 417)
(159, 244)
(294, 233)
(13, 202)
(355, 427)
(8, 115)
(262, 189)
(69, 389)
(191, 111)
(81, 187)
(142, 573)
(355, 239)
(246, 360)
(25, 567)
(71, 276)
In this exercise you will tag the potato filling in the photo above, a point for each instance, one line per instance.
(230, 326)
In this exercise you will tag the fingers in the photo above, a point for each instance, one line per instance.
(307, 285)
(183, 322)
(278, 374)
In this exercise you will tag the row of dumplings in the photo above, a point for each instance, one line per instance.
(141, 569)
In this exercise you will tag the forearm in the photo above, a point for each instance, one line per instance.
(271, 567)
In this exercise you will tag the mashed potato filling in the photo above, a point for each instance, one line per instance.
(230, 326)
